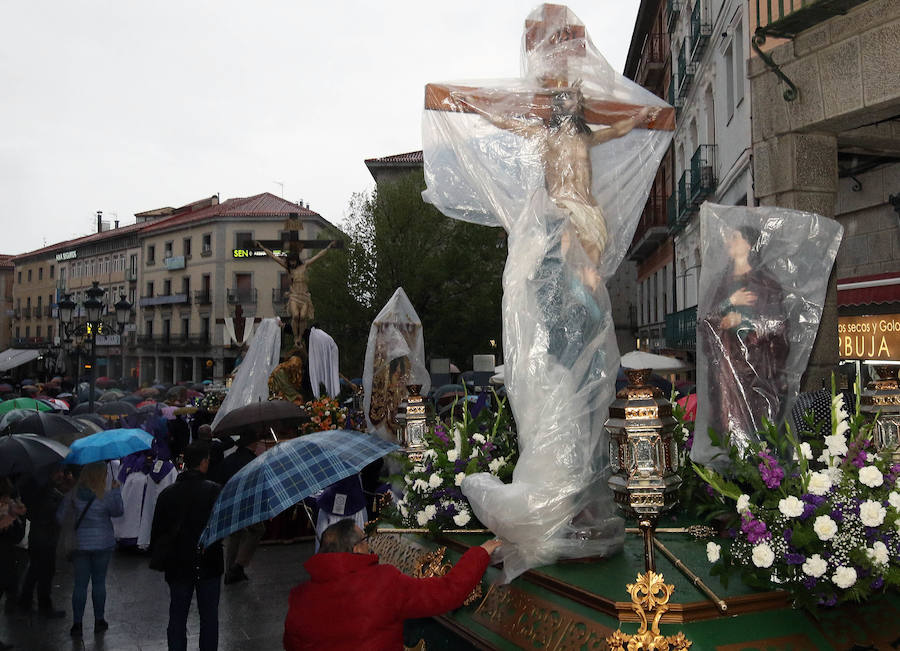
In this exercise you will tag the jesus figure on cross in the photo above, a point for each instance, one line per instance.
(569, 196)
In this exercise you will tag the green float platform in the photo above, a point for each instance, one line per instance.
(576, 605)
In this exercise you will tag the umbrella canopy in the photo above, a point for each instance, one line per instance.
(133, 399)
(640, 359)
(83, 408)
(23, 403)
(258, 415)
(84, 393)
(689, 403)
(88, 426)
(26, 453)
(111, 396)
(116, 408)
(109, 444)
(56, 403)
(13, 416)
(148, 392)
(53, 426)
(5, 388)
(287, 473)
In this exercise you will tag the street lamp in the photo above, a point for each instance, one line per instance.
(93, 325)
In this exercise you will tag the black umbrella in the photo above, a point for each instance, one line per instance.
(97, 419)
(83, 408)
(117, 408)
(259, 415)
(54, 426)
(133, 399)
(25, 453)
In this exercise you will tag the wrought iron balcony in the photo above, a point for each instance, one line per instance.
(787, 18)
(686, 71)
(681, 329)
(653, 60)
(279, 296)
(704, 178)
(203, 297)
(700, 30)
(672, 209)
(166, 299)
(652, 230)
(241, 296)
(673, 9)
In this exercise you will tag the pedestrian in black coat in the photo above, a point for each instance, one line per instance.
(182, 511)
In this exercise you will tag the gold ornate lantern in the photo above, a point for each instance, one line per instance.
(643, 454)
(412, 421)
(881, 397)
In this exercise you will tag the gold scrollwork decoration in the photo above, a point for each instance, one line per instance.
(432, 564)
(650, 596)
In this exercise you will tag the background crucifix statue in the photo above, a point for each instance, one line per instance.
(563, 159)
(300, 305)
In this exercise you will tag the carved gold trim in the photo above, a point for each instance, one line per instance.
(649, 596)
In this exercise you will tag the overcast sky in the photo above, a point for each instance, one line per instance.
(129, 106)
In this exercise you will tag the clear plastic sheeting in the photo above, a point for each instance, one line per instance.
(251, 382)
(395, 358)
(563, 159)
(762, 287)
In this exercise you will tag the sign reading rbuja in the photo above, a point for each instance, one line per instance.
(869, 337)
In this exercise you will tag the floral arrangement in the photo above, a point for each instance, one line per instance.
(324, 413)
(433, 499)
(210, 401)
(819, 517)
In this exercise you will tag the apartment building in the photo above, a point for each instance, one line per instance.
(200, 268)
(7, 269)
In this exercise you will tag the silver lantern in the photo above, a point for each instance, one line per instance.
(881, 397)
(643, 454)
(413, 423)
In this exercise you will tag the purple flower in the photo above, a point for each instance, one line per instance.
(772, 474)
(689, 443)
(878, 583)
(710, 491)
(793, 558)
(755, 530)
(837, 515)
(809, 582)
(831, 601)
(787, 534)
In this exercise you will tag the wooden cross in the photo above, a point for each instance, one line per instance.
(552, 29)
(293, 244)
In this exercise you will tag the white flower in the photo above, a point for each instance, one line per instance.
(713, 551)
(844, 577)
(462, 518)
(408, 479)
(435, 480)
(837, 401)
(842, 428)
(420, 486)
(421, 518)
(404, 511)
(815, 566)
(763, 555)
(418, 468)
(743, 503)
(790, 507)
(479, 438)
(825, 457)
(806, 450)
(871, 476)
(452, 455)
(834, 473)
(429, 454)
(819, 483)
(431, 511)
(871, 513)
(894, 500)
(837, 444)
(457, 439)
(878, 553)
(825, 527)
(459, 478)
(496, 464)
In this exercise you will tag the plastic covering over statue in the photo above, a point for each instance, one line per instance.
(563, 159)
(762, 288)
(395, 358)
(251, 382)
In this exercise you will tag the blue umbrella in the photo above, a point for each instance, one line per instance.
(109, 444)
(284, 475)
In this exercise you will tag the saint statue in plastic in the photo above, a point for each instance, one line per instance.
(563, 159)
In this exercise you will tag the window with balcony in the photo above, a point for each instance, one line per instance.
(149, 289)
(52, 269)
(29, 275)
(148, 328)
(28, 332)
(167, 287)
(151, 254)
(243, 239)
(167, 249)
(167, 330)
(19, 279)
(37, 332)
(186, 285)
(207, 244)
(185, 327)
(186, 247)
(40, 273)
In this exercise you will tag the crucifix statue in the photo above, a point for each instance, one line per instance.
(563, 159)
(300, 305)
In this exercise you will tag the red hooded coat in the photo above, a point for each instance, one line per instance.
(352, 602)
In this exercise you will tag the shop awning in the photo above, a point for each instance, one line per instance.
(13, 357)
(866, 290)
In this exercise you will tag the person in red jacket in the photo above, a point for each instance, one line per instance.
(370, 600)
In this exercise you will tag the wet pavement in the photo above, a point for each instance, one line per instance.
(251, 613)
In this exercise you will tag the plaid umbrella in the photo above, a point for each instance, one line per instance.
(285, 474)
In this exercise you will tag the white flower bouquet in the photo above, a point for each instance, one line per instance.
(818, 517)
